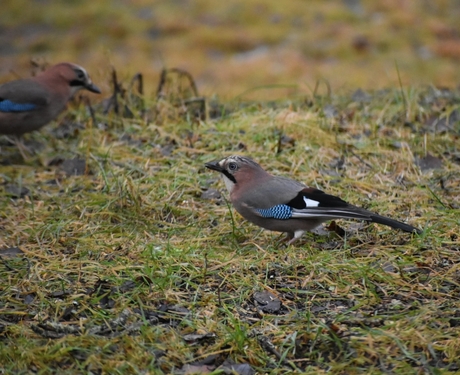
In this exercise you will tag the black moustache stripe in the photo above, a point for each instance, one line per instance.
(229, 176)
(77, 82)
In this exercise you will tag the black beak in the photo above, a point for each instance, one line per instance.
(93, 88)
(214, 165)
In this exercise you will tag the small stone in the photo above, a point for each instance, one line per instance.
(74, 167)
(11, 252)
(211, 194)
(16, 191)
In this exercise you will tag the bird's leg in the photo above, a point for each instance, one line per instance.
(282, 240)
(289, 237)
(294, 237)
(15, 140)
(23, 149)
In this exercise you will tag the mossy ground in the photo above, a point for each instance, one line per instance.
(123, 263)
(128, 266)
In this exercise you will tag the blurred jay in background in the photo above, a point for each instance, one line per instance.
(28, 104)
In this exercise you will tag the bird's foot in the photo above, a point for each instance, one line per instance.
(25, 151)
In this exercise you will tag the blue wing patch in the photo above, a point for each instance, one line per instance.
(280, 211)
(9, 106)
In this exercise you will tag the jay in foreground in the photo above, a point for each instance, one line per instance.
(28, 104)
(284, 205)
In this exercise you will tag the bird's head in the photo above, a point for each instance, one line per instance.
(237, 170)
(75, 76)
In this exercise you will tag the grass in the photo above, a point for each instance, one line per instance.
(122, 264)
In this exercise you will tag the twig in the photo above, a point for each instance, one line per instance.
(268, 346)
(139, 78)
(116, 90)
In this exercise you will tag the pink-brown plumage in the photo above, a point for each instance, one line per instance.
(284, 205)
(28, 104)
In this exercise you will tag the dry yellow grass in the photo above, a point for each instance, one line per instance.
(128, 268)
(233, 46)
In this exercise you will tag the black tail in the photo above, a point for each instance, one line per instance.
(394, 223)
(350, 212)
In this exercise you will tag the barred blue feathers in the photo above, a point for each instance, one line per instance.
(280, 212)
(9, 106)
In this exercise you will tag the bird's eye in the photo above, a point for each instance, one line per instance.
(80, 74)
(232, 166)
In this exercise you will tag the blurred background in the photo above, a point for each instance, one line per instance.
(250, 49)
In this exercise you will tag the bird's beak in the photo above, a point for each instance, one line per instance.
(214, 165)
(92, 87)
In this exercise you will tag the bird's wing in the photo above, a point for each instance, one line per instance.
(22, 95)
(271, 192)
(310, 203)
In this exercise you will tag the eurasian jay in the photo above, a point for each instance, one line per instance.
(284, 205)
(28, 104)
